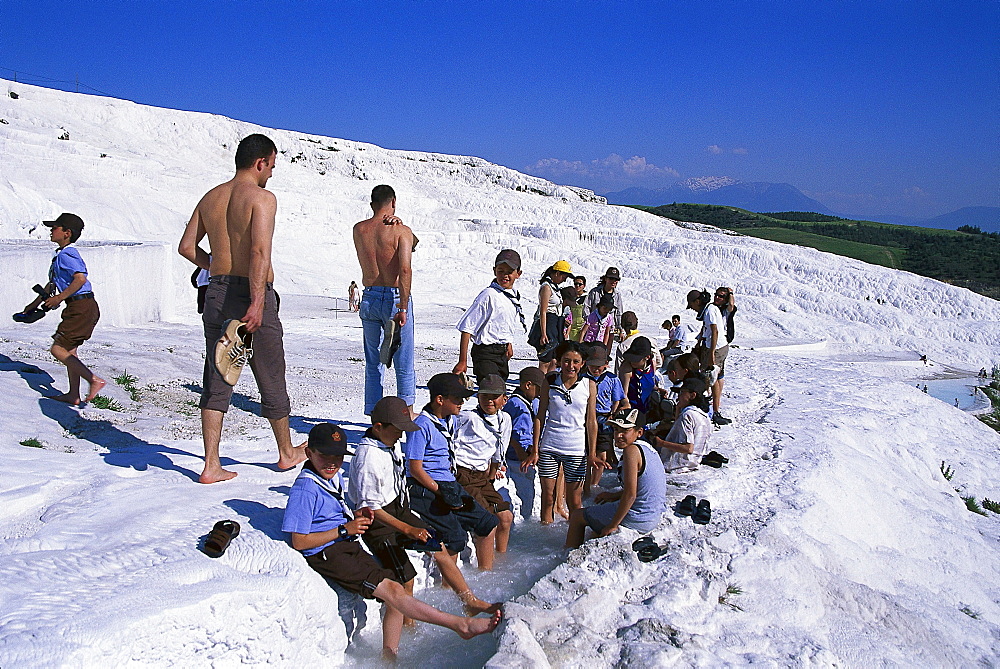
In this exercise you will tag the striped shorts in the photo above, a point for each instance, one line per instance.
(574, 466)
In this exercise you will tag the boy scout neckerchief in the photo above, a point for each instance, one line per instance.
(494, 430)
(445, 430)
(398, 468)
(336, 490)
(515, 299)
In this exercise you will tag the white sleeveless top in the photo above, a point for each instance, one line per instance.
(565, 428)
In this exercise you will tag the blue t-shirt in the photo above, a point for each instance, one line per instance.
(311, 508)
(65, 264)
(609, 390)
(522, 419)
(431, 445)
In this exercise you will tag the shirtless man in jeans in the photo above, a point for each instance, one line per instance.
(238, 217)
(384, 247)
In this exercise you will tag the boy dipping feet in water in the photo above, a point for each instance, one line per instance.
(481, 438)
(68, 275)
(326, 532)
(378, 482)
(435, 494)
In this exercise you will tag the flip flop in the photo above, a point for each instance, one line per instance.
(686, 506)
(220, 537)
(703, 514)
(712, 460)
(642, 542)
(650, 552)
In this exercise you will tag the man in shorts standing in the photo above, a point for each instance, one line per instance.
(238, 217)
(385, 246)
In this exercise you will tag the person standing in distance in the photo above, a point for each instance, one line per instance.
(238, 218)
(385, 247)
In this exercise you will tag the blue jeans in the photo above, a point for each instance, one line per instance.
(378, 306)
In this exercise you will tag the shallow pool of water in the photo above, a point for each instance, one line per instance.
(962, 391)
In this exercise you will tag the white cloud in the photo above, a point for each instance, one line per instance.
(740, 151)
(714, 149)
(603, 174)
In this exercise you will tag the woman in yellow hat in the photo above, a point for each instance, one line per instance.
(547, 330)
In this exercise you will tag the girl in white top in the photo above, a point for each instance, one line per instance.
(548, 325)
(565, 431)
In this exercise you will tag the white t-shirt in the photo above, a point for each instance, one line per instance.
(565, 429)
(693, 426)
(712, 316)
(377, 474)
(481, 440)
(492, 317)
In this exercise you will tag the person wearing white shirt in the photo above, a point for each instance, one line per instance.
(493, 321)
(713, 347)
(481, 437)
(378, 482)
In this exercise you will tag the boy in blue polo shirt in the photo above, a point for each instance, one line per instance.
(326, 532)
(68, 276)
(610, 394)
(435, 494)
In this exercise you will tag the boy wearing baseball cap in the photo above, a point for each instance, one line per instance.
(69, 283)
(482, 436)
(378, 482)
(325, 531)
(435, 494)
(493, 321)
(642, 499)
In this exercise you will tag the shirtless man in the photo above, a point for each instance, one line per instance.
(384, 247)
(238, 217)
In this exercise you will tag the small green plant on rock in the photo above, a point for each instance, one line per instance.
(990, 505)
(32, 442)
(967, 610)
(972, 505)
(947, 471)
(102, 402)
(127, 381)
(726, 598)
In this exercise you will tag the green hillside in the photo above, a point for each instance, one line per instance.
(968, 258)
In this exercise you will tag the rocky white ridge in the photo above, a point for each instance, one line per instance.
(833, 522)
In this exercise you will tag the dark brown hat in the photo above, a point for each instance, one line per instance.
(598, 356)
(328, 439)
(492, 384)
(612, 274)
(508, 257)
(393, 411)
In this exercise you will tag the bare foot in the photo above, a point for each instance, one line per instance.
(390, 656)
(563, 511)
(471, 627)
(409, 622)
(475, 606)
(96, 383)
(298, 456)
(216, 475)
(67, 398)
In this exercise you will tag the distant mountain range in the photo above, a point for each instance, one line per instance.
(986, 219)
(762, 196)
(752, 195)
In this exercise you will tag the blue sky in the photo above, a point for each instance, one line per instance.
(873, 108)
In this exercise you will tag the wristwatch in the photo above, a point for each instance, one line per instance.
(342, 532)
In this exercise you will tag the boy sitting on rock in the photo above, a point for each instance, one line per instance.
(326, 532)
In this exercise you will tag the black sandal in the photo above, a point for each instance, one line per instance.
(220, 537)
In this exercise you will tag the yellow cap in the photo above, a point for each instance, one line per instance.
(562, 266)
